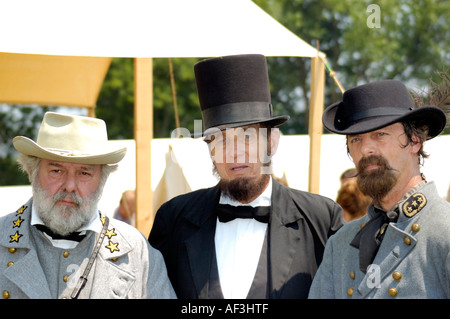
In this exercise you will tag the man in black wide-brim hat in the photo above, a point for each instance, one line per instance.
(401, 248)
(249, 236)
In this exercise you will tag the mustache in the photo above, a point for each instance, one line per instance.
(64, 195)
(378, 160)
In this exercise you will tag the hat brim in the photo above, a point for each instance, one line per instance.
(431, 116)
(27, 146)
(273, 122)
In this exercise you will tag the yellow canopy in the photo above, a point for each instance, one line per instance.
(51, 80)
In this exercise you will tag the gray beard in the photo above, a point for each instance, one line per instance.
(60, 219)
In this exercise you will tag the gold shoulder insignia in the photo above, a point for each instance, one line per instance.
(112, 246)
(110, 232)
(21, 210)
(414, 204)
(102, 219)
(18, 222)
(15, 237)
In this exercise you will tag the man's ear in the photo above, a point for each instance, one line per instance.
(416, 144)
(274, 140)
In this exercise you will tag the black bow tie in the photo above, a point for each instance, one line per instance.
(227, 213)
(369, 238)
(75, 236)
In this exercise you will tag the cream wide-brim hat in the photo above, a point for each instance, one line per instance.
(71, 138)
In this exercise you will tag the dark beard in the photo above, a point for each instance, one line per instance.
(376, 183)
(244, 189)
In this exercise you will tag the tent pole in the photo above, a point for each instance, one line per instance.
(91, 111)
(316, 103)
(143, 135)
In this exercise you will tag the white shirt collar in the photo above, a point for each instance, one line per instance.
(94, 225)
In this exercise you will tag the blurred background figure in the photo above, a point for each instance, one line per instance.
(348, 174)
(126, 209)
(353, 202)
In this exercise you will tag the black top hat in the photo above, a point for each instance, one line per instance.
(375, 105)
(234, 91)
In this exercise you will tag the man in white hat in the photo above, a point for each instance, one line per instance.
(58, 245)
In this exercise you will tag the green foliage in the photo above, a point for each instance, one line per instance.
(115, 104)
(411, 44)
(16, 120)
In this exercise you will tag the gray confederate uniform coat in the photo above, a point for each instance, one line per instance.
(413, 260)
(31, 267)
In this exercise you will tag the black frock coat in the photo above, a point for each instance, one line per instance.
(300, 225)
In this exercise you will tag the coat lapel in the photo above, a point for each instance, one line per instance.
(284, 237)
(200, 245)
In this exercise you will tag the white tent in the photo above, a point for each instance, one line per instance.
(142, 29)
(145, 28)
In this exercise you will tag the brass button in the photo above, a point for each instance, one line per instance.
(66, 254)
(66, 278)
(397, 275)
(9, 264)
(12, 250)
(6, 294)
(114, 259)
(407, 240)
(352, 274)
(415, 227)
(393, 292)
(350, 291)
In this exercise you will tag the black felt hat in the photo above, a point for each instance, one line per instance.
(234, 91)
(375, 105)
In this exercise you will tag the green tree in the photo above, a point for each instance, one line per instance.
(16, 120)
(116, 99)
(410, 45)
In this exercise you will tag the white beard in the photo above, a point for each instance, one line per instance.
(63, 220)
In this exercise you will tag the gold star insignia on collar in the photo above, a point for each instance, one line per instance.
(15, 237)
(110, 233)
(21, 210)
(112, 246)
(102, 219)
(17, 222)
(414, 204)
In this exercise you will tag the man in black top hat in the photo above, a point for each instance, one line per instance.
(401, 248)
(249, 236)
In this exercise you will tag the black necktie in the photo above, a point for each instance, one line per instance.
(369, 238)
(75, 236)
(227, 212)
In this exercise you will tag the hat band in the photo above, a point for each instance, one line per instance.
(381, 111)
(236, 112)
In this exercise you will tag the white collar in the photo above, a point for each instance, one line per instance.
(94, 225)
(265, 199)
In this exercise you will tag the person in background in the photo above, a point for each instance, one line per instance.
(401, 248)
(126, 209)
(248, 236)
(353, 202)
(348, 174)
(58, 244)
